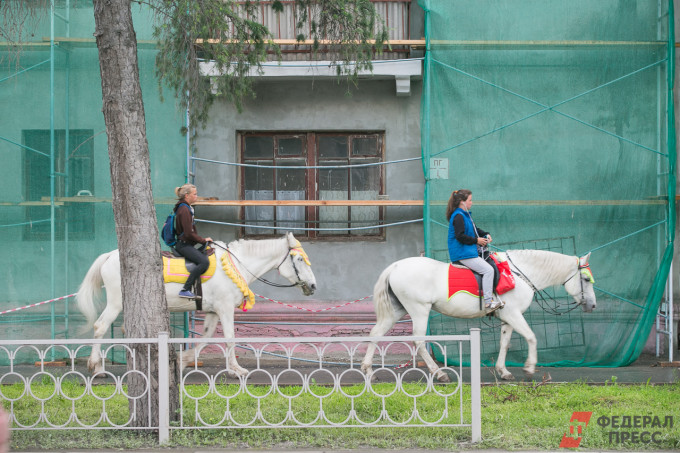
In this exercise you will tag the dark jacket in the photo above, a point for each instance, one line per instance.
(185, 226)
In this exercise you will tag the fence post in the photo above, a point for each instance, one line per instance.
(476, 384)
(163, 389)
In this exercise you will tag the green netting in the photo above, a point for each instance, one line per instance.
(55, 193)
(559, 117)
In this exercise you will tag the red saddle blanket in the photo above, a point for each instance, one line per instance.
(463, 279)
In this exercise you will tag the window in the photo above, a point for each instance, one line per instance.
(275, 180)
(74, 172)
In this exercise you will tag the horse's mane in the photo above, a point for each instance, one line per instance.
(259, 247)
(544, 264)
(536, 254)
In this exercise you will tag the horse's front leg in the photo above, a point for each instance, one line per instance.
(521, 326)
(227, 318)
(191, 354)
(506, 334)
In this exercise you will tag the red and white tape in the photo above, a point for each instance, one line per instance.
(309, 309)
(261, 297)
(36, 304)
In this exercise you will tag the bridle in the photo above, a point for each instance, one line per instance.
(264, 280)
(541, 296)
(586, 273)
(292, 251)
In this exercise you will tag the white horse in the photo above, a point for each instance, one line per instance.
(221, 296)
(418, 285)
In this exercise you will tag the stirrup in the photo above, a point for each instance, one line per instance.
(188, 294)
(494, 305)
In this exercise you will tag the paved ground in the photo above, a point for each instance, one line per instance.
(647, 368)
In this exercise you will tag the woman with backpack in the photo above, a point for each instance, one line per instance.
(188, 238)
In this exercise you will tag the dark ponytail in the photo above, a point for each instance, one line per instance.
(454, 201)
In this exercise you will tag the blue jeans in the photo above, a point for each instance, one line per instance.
(194, 255)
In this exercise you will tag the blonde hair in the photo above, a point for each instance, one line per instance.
(183, 191)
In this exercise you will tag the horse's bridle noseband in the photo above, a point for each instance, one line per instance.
(297, 273)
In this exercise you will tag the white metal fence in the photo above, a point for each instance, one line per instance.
(291, 383)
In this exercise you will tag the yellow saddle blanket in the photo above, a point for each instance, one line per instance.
(175, 270)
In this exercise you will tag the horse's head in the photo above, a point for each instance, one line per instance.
(580, 285)
(298, 269)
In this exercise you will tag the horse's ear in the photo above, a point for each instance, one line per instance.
(292, 242)
(584, 259)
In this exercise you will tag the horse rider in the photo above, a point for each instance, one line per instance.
(466, 241)
(187, 237)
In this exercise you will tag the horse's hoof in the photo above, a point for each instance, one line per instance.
(368, 372)
(370, 375)
(98, 372)
(528, 374)
(508, 377)
(443, 377)
(237, 372)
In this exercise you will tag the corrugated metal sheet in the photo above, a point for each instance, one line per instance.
(395, 14)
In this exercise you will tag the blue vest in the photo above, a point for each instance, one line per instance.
(458, 251)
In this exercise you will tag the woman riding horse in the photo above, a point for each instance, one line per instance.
(188, 238)
(464, 240)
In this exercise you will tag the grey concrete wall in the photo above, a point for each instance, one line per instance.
(345, 269)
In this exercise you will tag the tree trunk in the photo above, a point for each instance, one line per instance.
(144, 303)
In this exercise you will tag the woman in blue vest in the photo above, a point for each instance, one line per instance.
(187, 238)
(464, 240)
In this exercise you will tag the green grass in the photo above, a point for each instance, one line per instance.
(514, 417)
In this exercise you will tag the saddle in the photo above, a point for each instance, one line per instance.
(189, 266)
(176, 269)
(462, 278)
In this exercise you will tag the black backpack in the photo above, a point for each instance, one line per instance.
(168, 232)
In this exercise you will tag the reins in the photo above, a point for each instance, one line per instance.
(264, 280)
(540, 295)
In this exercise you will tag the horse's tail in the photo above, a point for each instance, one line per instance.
(382, 294)
(91, 288)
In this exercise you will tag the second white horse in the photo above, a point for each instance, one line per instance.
(418, 285)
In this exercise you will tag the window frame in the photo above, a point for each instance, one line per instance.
(312, 159)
